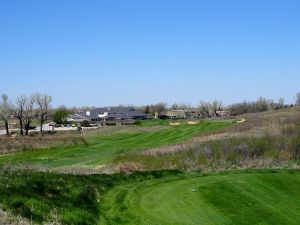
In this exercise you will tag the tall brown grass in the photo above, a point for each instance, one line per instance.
(23, 143)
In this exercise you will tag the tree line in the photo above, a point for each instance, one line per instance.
(211, 109)
(25, 109)
(37, 107)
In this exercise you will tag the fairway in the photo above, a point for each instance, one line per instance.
(103, 147)
(229, 198)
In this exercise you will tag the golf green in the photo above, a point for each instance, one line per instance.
(229, 198)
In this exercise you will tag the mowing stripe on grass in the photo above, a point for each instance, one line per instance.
(103, 148)
(232, 198)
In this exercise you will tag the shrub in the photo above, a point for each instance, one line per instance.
(85, 123)
(59, 117)
(294, 147)
(137, 122)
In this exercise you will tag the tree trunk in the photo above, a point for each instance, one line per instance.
(21, 127)
(26, 129)
(6, 126)
(41, 126)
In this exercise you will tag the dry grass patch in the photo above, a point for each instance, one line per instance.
(23, 143)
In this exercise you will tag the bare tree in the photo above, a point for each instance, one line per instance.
(262, 104)
(174, 106)
(281, 103)
(181, 106)
(204, 109)
(30, 113)
(215, 107)
(18, 111)
(298, 98)
(159, 108)
(43, 102)
(5, 111)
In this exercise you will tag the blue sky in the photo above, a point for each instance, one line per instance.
(110, 52)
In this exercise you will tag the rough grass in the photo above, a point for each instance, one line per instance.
(24, 143)
(103, 147)
(8, 219)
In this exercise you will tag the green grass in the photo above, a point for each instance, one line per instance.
(104, 147)
(67, 199)
(230, 198)
(162, 197)
(41, 197)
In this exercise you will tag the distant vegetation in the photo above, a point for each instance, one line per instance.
(37, 107)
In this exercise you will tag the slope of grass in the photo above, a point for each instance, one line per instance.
(102, 148)
(163, 197)
(59, 198)
(45, 197)
(230, 198)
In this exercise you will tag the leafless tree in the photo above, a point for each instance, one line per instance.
(30, 113)
(204, 109)
(159, 108)
(298, 98)
(5, 111)
(174, 106)
(262, 104)
(18, 111)
(43, 103)
(281, 103)
(181, 106)
(216, 106)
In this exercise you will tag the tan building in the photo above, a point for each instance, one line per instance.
(176, 114)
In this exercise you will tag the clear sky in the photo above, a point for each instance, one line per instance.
(110, 52)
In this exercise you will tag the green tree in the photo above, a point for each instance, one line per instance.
(60, 115)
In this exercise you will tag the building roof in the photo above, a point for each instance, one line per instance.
(77, 117)
(109, 112)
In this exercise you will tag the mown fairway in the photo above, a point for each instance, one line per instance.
(102, 148)
(230, 198)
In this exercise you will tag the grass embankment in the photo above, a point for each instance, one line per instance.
(241, 197)
(229, 198)
(102, 148)
(59, 198)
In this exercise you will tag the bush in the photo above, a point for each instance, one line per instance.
(85, 123)
(60, 116)
(137, 122)
(294, 147)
